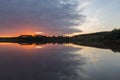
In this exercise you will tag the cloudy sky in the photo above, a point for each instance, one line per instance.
(58, 17)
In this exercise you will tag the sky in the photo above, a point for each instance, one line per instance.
(58, 17)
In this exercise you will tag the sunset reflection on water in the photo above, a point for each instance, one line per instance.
(19, 46)
(57, 62)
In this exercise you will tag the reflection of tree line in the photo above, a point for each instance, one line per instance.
(106, 40)
(103, 45)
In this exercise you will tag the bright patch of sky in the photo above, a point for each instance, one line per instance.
(102, 15)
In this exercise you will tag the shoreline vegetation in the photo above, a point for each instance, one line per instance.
(106, 36)
(106, 40)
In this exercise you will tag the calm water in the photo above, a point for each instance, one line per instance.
(58, 62)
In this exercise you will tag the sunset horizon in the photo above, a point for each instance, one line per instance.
(57, 17)
(59, 39)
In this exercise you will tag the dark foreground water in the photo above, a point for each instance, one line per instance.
(58, 62)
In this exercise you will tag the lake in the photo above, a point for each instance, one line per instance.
(58, 62)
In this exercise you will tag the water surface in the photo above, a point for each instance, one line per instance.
(57, 62)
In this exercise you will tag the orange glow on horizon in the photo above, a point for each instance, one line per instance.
(22, 33)
(26, 29)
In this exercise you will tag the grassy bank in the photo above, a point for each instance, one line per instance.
(108, 36)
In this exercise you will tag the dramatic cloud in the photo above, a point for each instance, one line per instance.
(50, 16)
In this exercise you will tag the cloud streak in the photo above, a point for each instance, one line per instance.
(56, 17)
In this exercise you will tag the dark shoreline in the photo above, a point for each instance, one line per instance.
(114, 46)
(104, 40)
